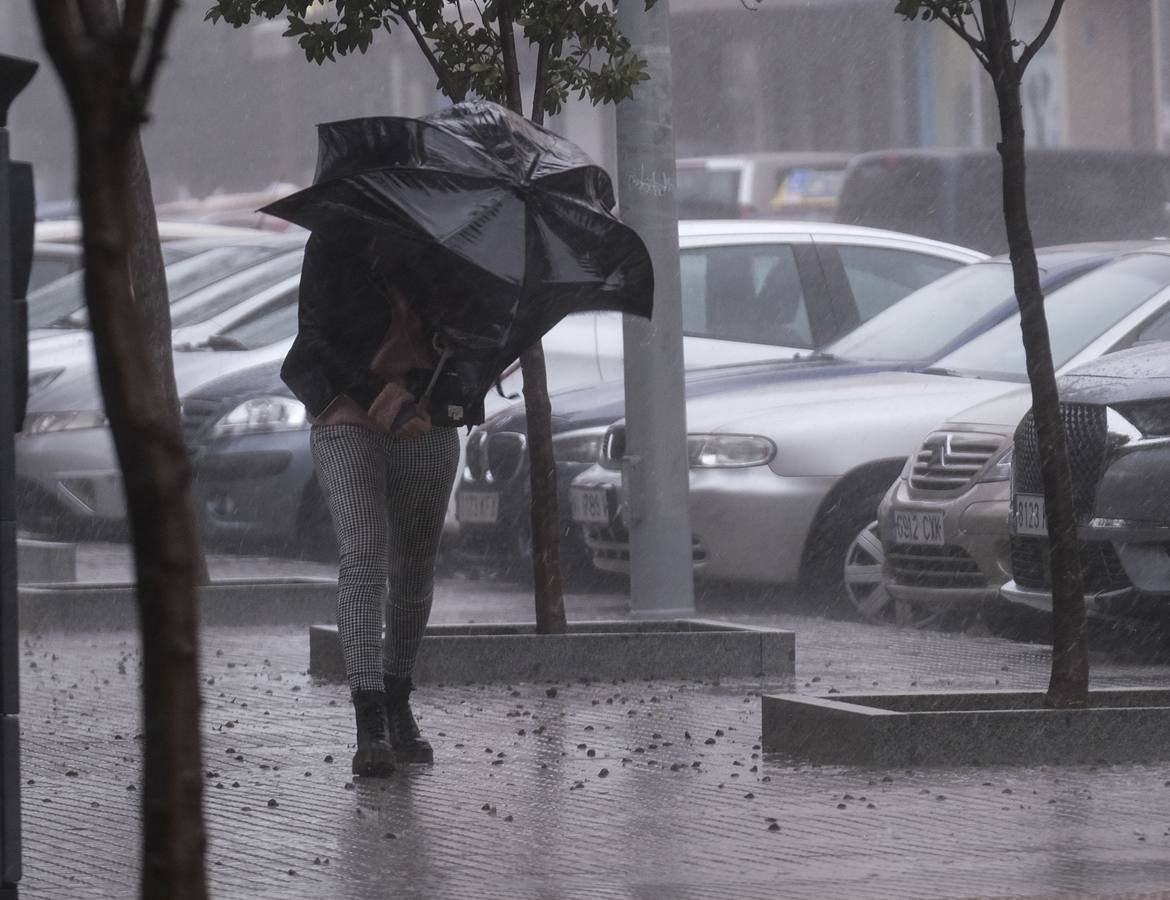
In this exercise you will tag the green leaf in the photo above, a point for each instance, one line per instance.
(591, 58)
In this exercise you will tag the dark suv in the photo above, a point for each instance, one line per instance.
(951, 195)
(1116, 414)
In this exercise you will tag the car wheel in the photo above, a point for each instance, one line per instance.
(865, 587)
(830, 541)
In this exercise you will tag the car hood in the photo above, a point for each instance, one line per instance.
(827, 427)
(58, 347)
(79, 388)
(1002, 413)
(1140, 373)
(254, 381)
(599, 405)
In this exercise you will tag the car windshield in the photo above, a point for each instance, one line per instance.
(1077, 314)
(926, 323)
(54, 299)
(229, 292)
(276, 323)
(184, 277)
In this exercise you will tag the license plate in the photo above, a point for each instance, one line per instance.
(478, 507)
(919, 528)
(590, 505)
(1028, 514)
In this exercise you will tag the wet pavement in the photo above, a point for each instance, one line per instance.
(607, 790)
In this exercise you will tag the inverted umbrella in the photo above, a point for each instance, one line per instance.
(510, 224)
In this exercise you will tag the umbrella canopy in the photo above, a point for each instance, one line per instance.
(510, 225)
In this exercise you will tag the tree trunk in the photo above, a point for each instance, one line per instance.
(1069, 683)
(157, 479)
(545, 516)
(546, 528)
(150, 452)
(149, 284)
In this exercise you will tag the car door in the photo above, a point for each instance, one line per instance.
(745, 300)
(866, 278)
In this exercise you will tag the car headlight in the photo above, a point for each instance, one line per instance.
(262, 414)
(1001, 466)
(577, 447)
(41, 378)
(40, 423)
(728, 451)
(1151, 418)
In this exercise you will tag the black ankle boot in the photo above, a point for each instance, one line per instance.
(404, 734)
(375, 755)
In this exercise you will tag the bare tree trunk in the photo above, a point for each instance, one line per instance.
(147, 271)
(1069, 683)
(149, 278)
(545, 516)
(107, 110)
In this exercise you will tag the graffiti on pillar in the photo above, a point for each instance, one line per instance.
(653, 184)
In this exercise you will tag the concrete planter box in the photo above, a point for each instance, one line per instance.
(676, 648)
(40, 562)
(967, 728)
(112, 607)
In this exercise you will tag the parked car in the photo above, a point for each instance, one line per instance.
(239, 209)
(953, 195)
(68, 481)
(57, 250)
(492, 495)
(68, 230)
(785, 481)
(941, 532)
(760, 289)
(56, 289)
(733, 274)
(943, 524)
(210, 291)
(1116, 414)
(52, 260)
(789, 185)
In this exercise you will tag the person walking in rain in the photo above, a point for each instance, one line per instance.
(515, 229)
(386, 473)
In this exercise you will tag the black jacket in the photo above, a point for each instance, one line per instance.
(343, 319)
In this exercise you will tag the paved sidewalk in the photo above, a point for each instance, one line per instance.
(603, 790)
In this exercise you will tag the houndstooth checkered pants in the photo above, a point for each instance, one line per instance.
(388, 498)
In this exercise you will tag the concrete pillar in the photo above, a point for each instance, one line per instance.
(655, 470)
(14, 75)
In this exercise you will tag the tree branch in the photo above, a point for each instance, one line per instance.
(541, 85)
(144, 84)
(997, 22)
(101, 21)
(440, 70)
(64, 34)
(128, 40)
(508, 55)
(1031, 49)
(977, 46)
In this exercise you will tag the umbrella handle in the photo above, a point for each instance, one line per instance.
(446, 354)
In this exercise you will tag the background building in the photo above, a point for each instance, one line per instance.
(235, 109)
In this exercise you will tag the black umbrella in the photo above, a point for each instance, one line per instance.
(511, 225)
